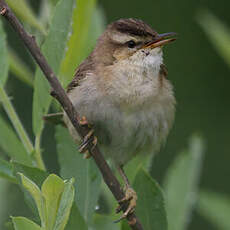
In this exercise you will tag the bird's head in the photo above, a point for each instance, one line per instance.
(129, 37)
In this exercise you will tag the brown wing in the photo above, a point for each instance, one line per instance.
(85, 67)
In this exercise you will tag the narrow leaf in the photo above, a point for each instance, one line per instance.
(85, 172)
(35, 192)
(52, 190)
(4, 63)
(24, 11)
(6, 171)
(217, 32)
(150, 204)
(54, 50)
(19, 69)
(78, 46)
(181, 184)
(15, 151)
(22, 223)
(36, 175)
(65, 205)
(139, 161)
(216, 208)
(22, 134)
(96, 28)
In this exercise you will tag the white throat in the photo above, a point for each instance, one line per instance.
(148, 60)
(136, 78)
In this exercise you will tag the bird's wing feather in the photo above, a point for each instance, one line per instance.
(85, 67)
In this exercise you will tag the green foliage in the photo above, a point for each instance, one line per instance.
(77, 47)
(54, 50)
(73, 30)
(22, 223)
(104, 222)
(16, 151)
(6, 171)
(19, 68)
(76, 220)
(217, 32)
(7, 137)
(26, 13)
(85, 172)
(150, 204)
(181, 184)
(215, 208)
(53, 201)
(4, 64)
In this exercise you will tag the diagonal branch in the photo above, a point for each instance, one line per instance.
(60, 94)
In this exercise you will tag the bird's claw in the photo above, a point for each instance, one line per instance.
(131, 197)
(88, 140)
(83, 121)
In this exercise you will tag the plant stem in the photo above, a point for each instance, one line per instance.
(16, 121)
(21, 131)
(38, 154)
(19, 69)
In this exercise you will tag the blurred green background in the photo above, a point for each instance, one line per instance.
(201, 79)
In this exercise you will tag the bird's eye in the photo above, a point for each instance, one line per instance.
(131, 44)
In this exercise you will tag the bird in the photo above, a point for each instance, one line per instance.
(121, 90)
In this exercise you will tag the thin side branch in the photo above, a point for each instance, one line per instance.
(60, 94)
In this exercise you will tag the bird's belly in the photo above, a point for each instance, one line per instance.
(127, 127)
(123, 134)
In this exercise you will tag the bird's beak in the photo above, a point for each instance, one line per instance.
(160, 40)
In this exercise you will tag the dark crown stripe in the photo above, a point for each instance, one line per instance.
(133, 27)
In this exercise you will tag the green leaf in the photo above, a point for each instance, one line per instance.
(103, 222)
(22, 223)
(150, 204)
(76, 221)
(65, 205)
(216, 208)
(52, 190)
(96, 28)
(19, 69)
(139, 161)
(78, 46)
(54, 50)
(6, 171)
(22, 134)
(24, 11)
(85, 172)
(37, 196)
(36, 175)
(181, 184)
(53, 2)
(4, 63)
(15, 151)
(217, 32)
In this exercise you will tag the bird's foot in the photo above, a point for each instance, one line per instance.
(89, 140)
(83, 121)
(131, 197)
